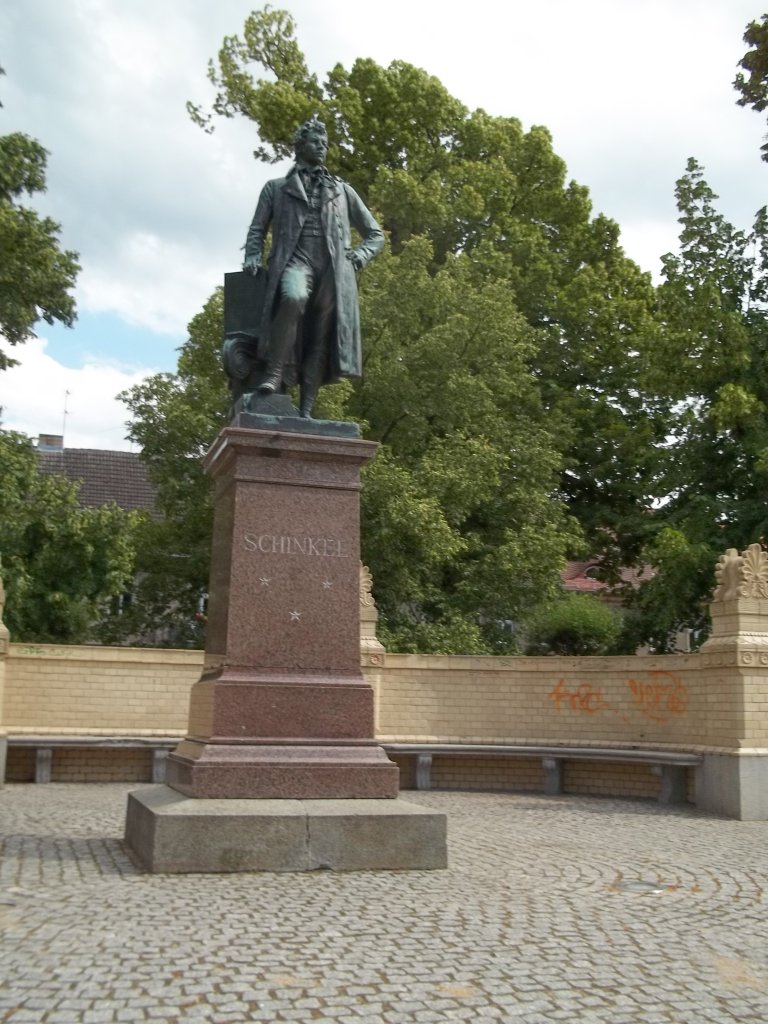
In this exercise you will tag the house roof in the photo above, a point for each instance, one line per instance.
(104, 476)
(574, 578)
(578, 577)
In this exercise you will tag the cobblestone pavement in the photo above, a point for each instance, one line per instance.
(540, 918)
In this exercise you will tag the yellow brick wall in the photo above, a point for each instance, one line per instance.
(488, 773)
(639, 700)
(523, 775)
(699, 702)
(407, 766)
(81, 765)
(20, 766)
(625, 780)
(98, 689)
(681, 701)
(754, 687)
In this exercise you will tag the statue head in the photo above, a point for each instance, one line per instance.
(310, 142)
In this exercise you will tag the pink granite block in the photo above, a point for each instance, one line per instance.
(290, 772)
(317, 707)
(282, 709)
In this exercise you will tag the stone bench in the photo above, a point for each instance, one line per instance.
(669, 765)
(44, 745)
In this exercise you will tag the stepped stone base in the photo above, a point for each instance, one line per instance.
(282, 771)
(173, 834)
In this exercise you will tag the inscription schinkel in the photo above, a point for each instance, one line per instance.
(271, 544)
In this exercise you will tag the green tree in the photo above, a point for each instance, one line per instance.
(676, 598)
(175, 418)
(36, 276)
(754, 85)
(508, 342)
(460, 515)
(61, 563)
(713, 370)
(574, 624)
(482, 187)
(461, 525)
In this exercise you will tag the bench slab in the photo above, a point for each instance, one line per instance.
(669, 765)
(44, 746)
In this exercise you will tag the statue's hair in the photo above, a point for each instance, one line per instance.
(311, 127)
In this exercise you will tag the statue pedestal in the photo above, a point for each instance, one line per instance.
(282, 711)
(172, 834)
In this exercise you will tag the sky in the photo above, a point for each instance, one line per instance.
(158, 210)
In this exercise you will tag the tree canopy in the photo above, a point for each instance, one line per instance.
(61, 563)
(534, 395)
(36, 275)
(754, 85)
(456, 528)
(175, 418)
(484, 203)
(712, 367)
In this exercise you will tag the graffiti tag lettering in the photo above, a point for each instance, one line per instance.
(583, 698)
(660, 699)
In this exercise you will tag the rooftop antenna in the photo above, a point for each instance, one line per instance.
(64, 417)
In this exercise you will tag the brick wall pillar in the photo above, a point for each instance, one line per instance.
(372, 651)
(734, 662)
(4, 641)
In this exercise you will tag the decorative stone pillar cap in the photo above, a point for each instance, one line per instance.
(740, 602)
(742, 575)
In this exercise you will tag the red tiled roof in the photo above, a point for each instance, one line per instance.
(575, 578)
(104, 476)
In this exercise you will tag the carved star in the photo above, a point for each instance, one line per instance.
(295, 616)
(327, 584)
(264, 581)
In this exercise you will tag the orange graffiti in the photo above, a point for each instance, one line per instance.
(583, 698)
(666, 695)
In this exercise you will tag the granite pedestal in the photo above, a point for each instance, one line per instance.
(282, 718)
(172, 834)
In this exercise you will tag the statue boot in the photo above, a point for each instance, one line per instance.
(307, 401)
(281, 346)
(311, 379)
(273, 380)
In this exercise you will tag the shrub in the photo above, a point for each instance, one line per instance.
(574, 624)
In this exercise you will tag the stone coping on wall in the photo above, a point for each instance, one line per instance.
(439, 662)
(47, 730)
(95, 652)
(525, 663)
(484, 741)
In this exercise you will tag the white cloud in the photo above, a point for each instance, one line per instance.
(158, 210)
(646, 241)
(146, 291)
(34, 394)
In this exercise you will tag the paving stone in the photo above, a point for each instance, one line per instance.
(529, 924)
(56, 1017)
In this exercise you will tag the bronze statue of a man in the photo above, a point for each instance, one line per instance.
(310, 331)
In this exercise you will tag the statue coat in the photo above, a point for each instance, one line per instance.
(283, 206)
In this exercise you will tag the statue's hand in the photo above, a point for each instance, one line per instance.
(354, 259)
(252, 265)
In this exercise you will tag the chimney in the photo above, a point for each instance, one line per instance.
(50, 443)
